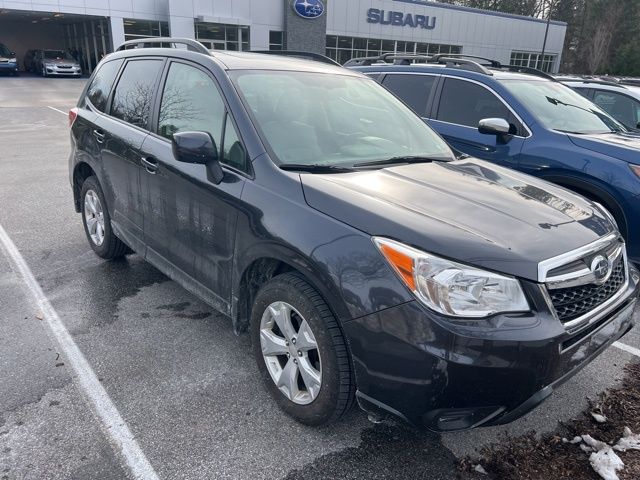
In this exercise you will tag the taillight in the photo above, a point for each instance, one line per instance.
(73, 114)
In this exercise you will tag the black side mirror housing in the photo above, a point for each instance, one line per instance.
(198, 148)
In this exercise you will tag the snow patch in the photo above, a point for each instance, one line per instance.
(598, 417)
(629, 441)
(603, 459)
(480, 469)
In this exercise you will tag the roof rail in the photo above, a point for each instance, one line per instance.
(298, 54)
(407, 58)
(192, 45)
(531, 71)
(398, 59)
(634, 82)
(590, 80)
(492, 63)
(464, 64)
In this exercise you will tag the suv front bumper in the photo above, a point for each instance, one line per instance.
(56, 70)
(432, 372)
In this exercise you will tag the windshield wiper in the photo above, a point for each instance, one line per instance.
(315, 168)
(402, 160)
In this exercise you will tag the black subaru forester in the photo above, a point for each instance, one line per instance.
(367, 262)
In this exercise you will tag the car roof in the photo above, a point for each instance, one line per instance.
(262, 61)
(496, 74)
(232, 60)
(632, 90)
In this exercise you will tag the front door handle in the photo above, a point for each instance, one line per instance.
(99, 134)
(150, 165)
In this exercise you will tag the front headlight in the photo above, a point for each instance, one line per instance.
(48, 65)
(13, 60)
(451, 288)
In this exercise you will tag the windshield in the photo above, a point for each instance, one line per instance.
(4, 51)
(323, 119)
(559, 108)
(57, 55)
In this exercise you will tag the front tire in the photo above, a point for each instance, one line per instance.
(300, 351)
(97, 222)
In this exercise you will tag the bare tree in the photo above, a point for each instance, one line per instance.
(599, 44)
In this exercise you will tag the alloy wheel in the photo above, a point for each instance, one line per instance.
(290, 352)
(94, 217)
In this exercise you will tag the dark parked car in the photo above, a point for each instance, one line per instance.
(523, 119)
(620, 101)
(56, 63)
(318, 212)
(28, 61)
(8, 62)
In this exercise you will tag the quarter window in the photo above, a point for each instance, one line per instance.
(98, 92)
(414, 90)
(190, 102)
(465, 103)
(134, 93)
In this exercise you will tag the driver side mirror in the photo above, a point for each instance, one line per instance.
(198, 148)
(495, 126)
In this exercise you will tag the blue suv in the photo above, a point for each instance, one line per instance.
(524, 119)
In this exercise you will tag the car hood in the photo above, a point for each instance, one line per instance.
(60, 61)
(625, 146)
(468, 210)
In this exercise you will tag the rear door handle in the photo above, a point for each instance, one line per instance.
(150, 165)
(99, 134)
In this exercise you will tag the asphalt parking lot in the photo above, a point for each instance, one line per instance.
(182, 382)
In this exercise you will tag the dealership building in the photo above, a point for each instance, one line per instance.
(341, 29)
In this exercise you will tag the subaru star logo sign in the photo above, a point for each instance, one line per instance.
(308, 8)
(601, 269)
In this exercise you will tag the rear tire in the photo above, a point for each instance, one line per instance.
(318, 350)
(97, 222)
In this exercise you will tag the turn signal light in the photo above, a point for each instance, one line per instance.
(402, 262)
(636, 169)
(73, 114)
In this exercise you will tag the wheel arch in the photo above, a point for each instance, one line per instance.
(81, 172)
(261, 268)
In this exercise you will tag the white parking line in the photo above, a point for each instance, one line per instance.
(113, 424)
(627, 348)
(59, 111)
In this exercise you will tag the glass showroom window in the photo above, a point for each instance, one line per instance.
(220, 36)
(276, 40)
(144, 29)
(341, 48)
(532, 60)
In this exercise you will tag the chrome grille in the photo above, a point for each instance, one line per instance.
(573, 302)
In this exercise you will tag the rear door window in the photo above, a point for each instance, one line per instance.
(134, 93)
(414, 90)
(466, 103)
(98, 92)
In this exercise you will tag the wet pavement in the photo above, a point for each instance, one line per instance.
(185, 385)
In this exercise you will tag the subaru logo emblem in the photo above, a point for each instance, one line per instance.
(601, 269)
(308, 8)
